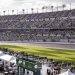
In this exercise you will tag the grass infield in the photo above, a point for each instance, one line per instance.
(50, 53)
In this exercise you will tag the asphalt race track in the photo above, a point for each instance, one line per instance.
(58, 45)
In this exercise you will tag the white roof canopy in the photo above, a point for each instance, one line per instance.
(8, 58)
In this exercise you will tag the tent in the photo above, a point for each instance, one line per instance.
(8, 58)
(1, 53)
(44, 69)
(67, 73)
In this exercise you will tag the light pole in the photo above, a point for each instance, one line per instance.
(32, 10)
(42, 9)
(52, 7)
(17, 12)
(57, 7)
(70, 5)
(23, 11)
(4, 12)
(8, 12)
(12, 12)
(37, 10)
(63, 6)
(46, 8)
(27, 11)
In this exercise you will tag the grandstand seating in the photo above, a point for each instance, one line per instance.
(56, 26)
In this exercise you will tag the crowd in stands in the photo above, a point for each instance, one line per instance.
(31, 26)
(53, 67)
(37, 35)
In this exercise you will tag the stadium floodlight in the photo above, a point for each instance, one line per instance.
(12, 12)
(52, 7)
(43, 9)
(23, 10)
(32, 10)
(4, 12)
(63, 6)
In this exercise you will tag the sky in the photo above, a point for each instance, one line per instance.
(18, 5)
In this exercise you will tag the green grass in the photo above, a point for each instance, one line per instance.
(57, 54)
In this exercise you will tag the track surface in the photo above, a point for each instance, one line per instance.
(58, 45)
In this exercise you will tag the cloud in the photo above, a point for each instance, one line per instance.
(5, 4)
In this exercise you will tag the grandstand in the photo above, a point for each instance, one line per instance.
(58, 26)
